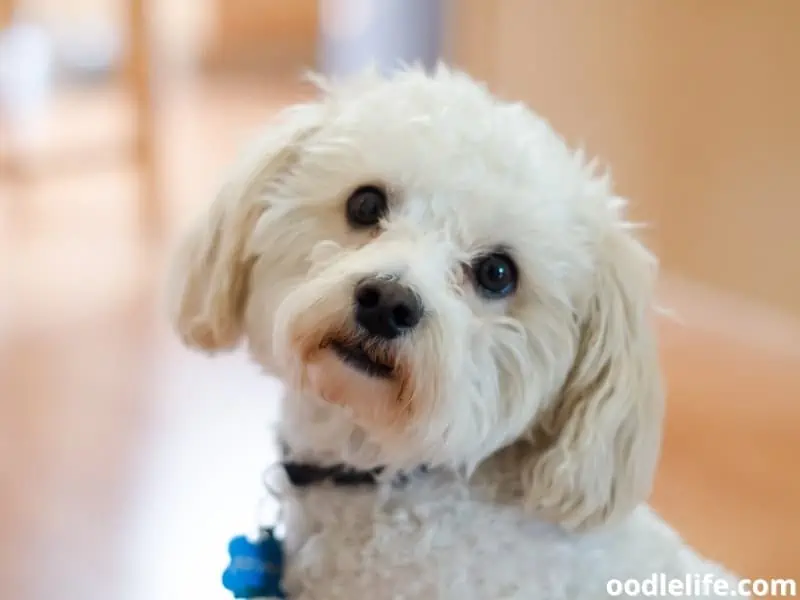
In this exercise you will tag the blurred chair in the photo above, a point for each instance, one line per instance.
(141, 150)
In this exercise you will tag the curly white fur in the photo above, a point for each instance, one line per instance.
(541, 412)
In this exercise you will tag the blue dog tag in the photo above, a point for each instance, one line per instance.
(255, 568)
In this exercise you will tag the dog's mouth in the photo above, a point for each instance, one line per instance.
(361, 357)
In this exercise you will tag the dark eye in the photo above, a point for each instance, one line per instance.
(495, 275)
(366, 206)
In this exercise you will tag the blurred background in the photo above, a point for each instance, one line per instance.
(126, 462)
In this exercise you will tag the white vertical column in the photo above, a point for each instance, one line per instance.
(383, 33)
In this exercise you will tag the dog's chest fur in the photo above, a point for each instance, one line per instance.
(437, 538)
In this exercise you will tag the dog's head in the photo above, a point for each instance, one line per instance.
(443, 268)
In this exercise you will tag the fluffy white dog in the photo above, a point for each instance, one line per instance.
(460, 314)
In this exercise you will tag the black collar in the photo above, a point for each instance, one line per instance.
(304, 474)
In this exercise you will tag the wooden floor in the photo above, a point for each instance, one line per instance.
(126, 462)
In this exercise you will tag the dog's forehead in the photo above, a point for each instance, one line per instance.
(461, 158)
(439, 127)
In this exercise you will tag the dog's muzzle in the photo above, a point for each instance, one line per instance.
(383, 311)
(385, 308)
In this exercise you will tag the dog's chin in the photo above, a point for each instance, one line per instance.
(349, 374)
(345, 383)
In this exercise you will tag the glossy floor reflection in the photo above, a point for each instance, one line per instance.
(127, 462)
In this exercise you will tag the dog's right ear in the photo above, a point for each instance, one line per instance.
(209, 275)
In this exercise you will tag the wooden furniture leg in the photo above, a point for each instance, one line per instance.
(6, 12)
(141, 84)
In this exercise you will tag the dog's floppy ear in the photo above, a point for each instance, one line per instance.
(210, 272)
(598, 445)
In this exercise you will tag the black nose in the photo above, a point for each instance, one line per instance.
(386, 308)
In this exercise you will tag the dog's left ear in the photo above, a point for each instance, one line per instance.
(210, 272)
(598, 445)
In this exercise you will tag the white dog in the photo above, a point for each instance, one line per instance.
(460, 315)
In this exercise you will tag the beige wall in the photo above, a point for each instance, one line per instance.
(694, 105)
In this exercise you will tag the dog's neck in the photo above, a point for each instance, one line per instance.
(318, 437)
(317, 432)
